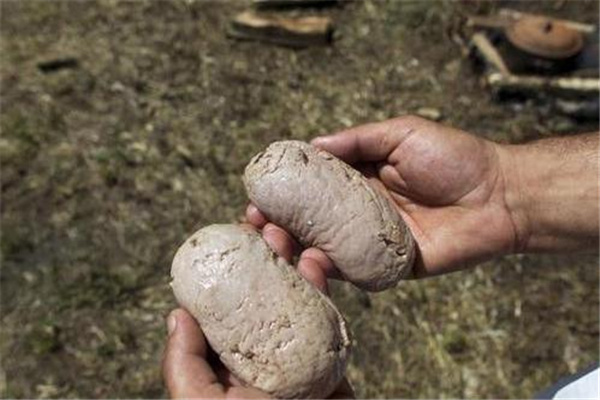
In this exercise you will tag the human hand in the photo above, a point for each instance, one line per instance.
(447, 185)
(192, 370)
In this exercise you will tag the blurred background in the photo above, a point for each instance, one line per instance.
(126, 127)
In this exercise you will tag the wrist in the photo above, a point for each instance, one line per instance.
(516, 195)
(551, 192)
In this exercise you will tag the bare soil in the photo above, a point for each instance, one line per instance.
(108, 165)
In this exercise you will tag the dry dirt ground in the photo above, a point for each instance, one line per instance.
(109, 166)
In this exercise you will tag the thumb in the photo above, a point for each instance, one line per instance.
(370, 142)
(186, 372)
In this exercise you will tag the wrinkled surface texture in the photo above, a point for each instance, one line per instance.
(325, 203)
(270, 327)
(107, 168)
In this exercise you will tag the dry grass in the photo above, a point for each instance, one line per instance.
(106, 168)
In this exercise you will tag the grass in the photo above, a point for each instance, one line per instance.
(108, 167)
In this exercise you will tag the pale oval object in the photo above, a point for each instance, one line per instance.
(273, 329)
(323, 202)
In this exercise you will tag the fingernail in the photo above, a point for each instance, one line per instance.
(171, 324)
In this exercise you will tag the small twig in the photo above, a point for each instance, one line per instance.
(490, 53)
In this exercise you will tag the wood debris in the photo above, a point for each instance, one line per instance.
(267, 4)
(506, 17)
(286, 31)
(55, 64)
(517, 68)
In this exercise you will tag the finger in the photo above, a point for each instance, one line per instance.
(186, 372)
(280, 241)
(312, 272)
(391, 178)
(323, 261)
(370, 142)
(255, 217)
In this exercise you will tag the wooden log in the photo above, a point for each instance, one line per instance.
(56, 64)
(268, 4)
(506, 17)
(578, 26)
(287, 31)
(582, 86)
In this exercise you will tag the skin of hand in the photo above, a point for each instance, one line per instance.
(464, 198)
(554, 192)
(191, 370)
(446, 184)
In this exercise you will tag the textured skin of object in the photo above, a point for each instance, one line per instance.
(273, 329)
(325, 203)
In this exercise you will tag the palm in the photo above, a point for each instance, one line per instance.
(193, 371)
(448, 187)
